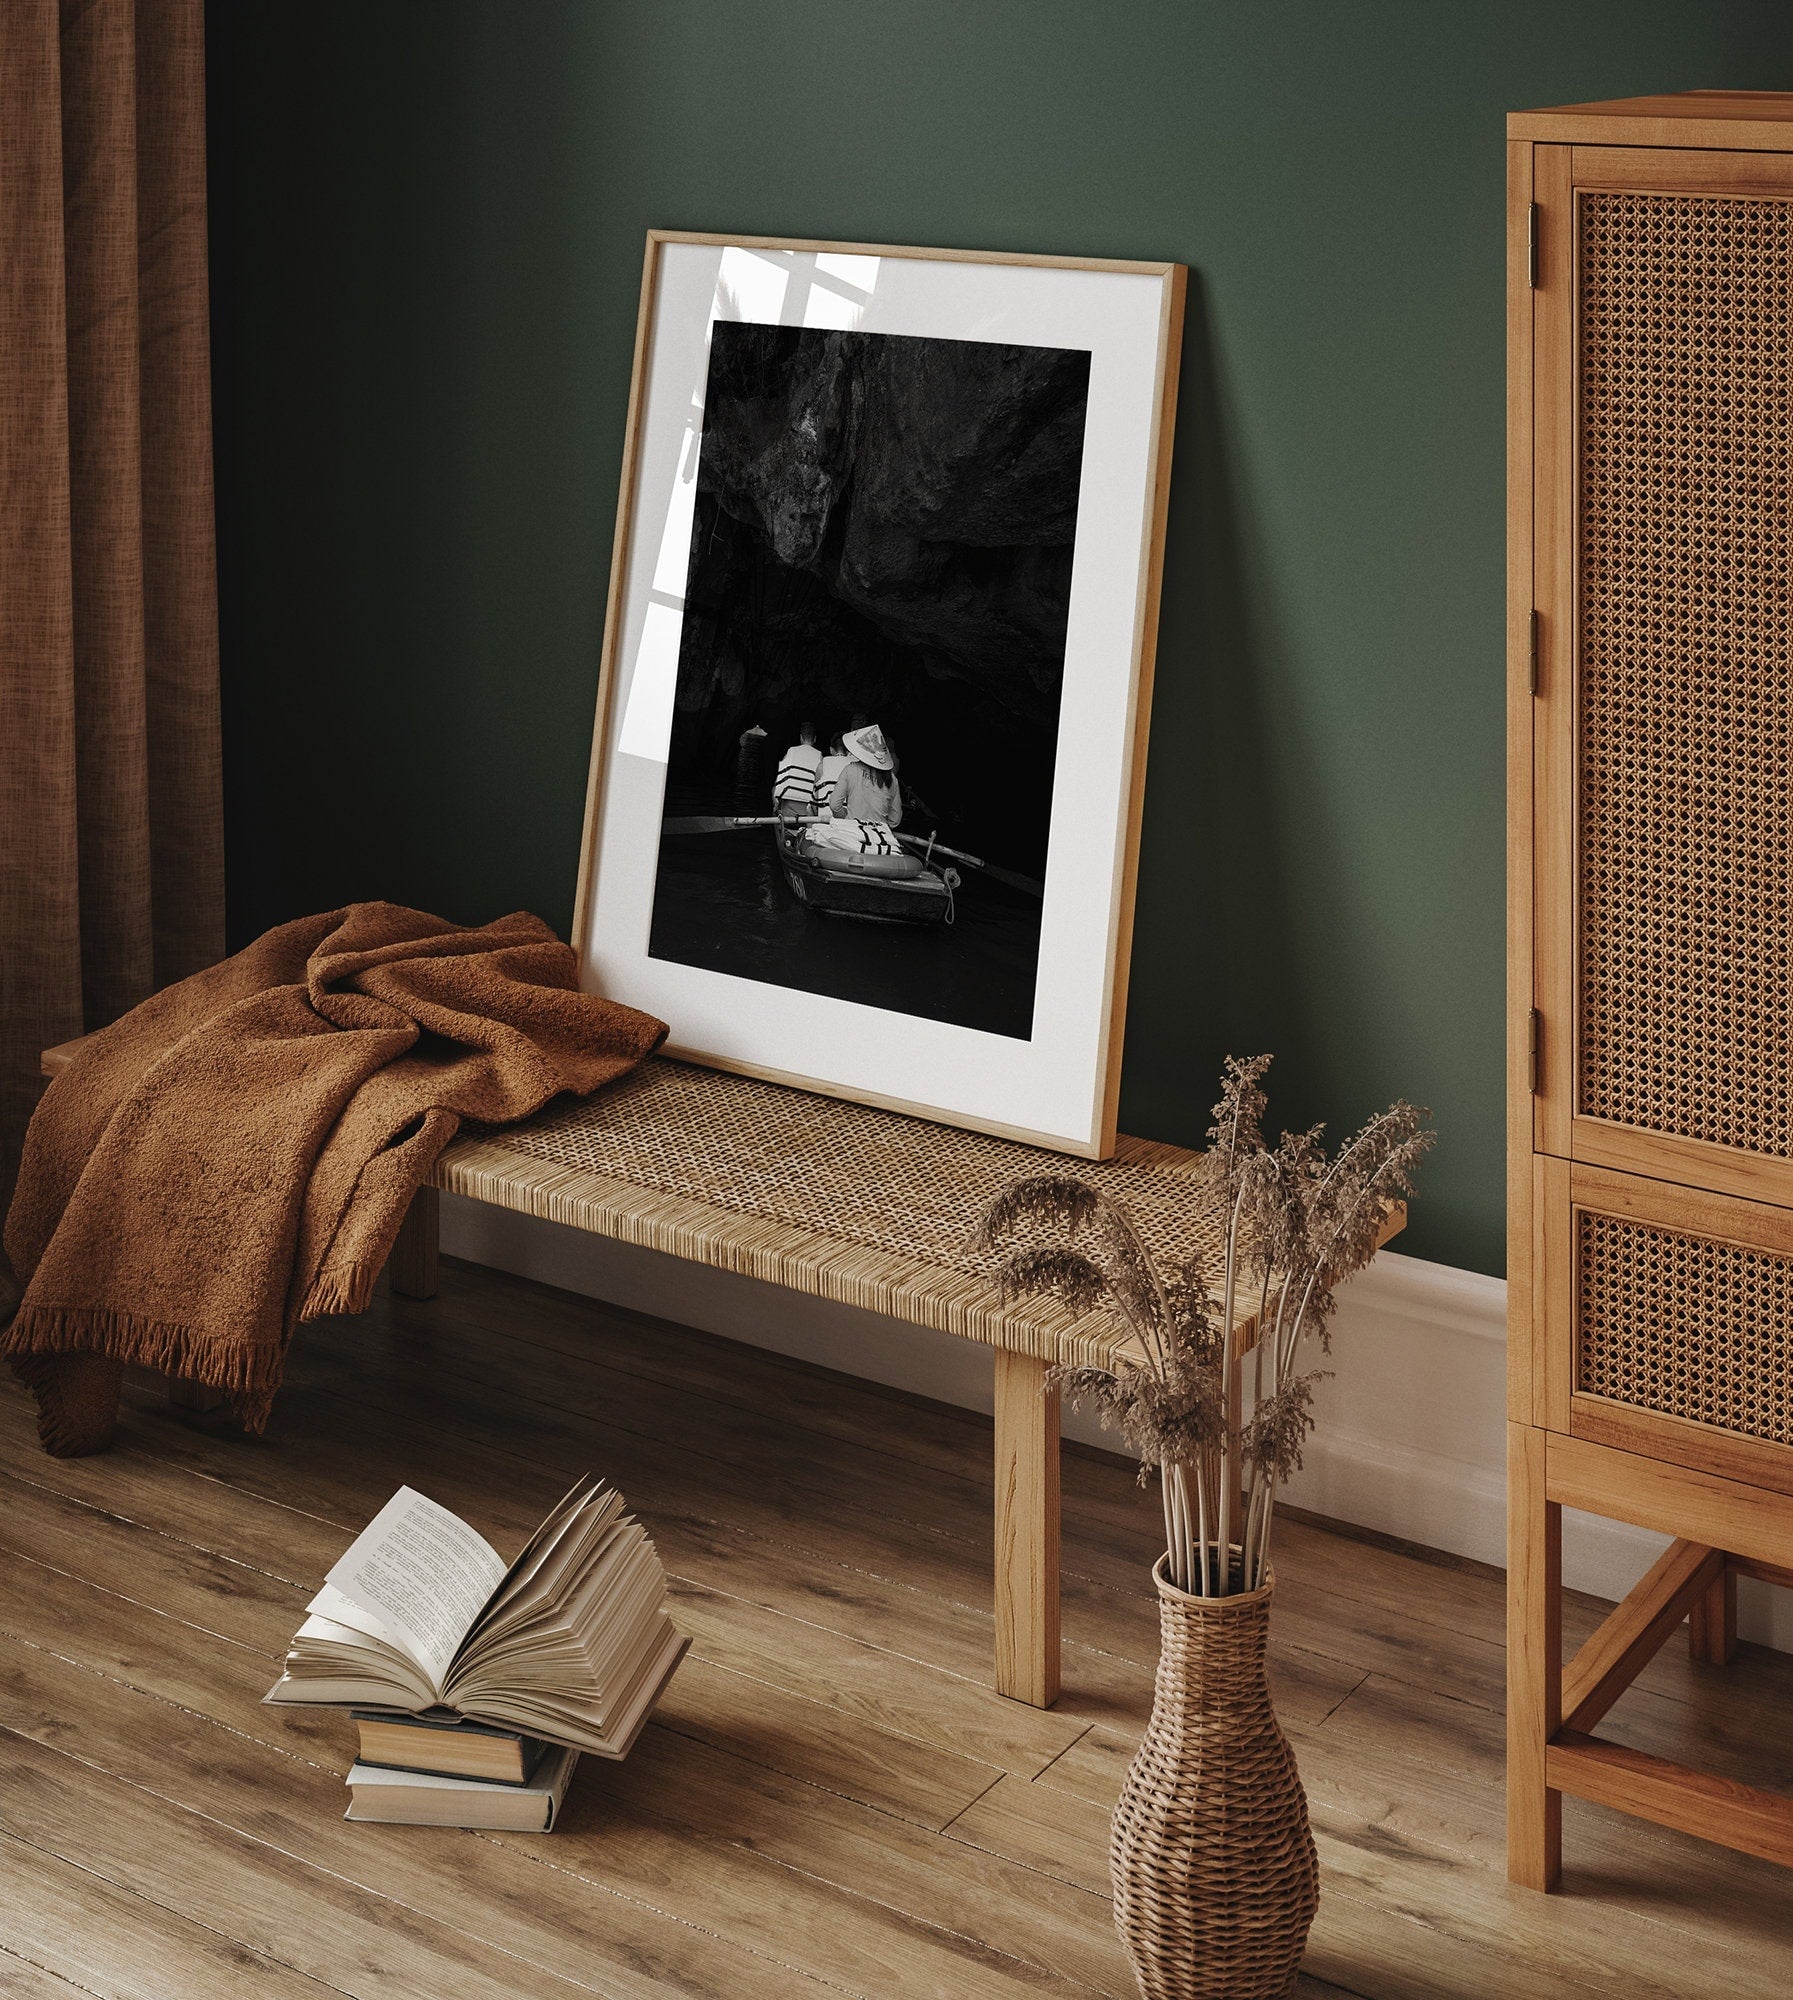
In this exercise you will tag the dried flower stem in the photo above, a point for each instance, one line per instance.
(1297, 1227)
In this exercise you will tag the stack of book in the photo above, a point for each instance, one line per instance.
(477, 1687)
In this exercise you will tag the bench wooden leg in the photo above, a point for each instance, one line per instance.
(1534, 1662)
(412, 1265)
(200, 1397)
(1027, 1512)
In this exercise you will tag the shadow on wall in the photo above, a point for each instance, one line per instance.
(421, 314)
(1214, 972)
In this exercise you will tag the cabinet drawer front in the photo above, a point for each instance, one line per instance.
(1673, 1325)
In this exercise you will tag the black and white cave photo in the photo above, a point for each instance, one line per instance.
(865, 731)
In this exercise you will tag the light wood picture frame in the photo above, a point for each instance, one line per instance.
(869, 753)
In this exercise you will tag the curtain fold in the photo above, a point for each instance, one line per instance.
(111, 846)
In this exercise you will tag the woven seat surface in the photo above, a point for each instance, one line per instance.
(841, 1200)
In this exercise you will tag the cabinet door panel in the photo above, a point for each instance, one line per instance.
(1663, 821)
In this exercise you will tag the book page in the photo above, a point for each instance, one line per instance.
(562, 1518)
(539, 1573)
(333, 1607)
(423, 1575)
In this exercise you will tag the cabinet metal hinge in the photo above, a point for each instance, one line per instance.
(1534, 653)
(1537, 1043)
(1531, 246)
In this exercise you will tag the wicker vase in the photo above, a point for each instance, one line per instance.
(1215, 1879)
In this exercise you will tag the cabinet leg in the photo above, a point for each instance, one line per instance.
(1534, 1662)
(1027, 1514)
(1712, 1623)
(412, 1265)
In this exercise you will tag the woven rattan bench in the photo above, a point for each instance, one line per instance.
(844, 1202)
(862, 1206)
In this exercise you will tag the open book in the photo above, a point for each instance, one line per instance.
(571, 1643)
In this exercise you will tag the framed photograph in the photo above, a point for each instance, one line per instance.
(870, 745)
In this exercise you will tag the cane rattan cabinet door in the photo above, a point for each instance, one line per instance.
(1667, 1317)
(1663, 496)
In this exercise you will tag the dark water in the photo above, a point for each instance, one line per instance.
(721, 901)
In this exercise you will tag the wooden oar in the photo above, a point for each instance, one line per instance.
(929, 848)
(717, 823)
(1025, 883)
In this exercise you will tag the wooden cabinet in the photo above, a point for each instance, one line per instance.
(1650, 908)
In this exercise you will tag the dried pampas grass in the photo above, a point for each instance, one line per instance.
(1298, 1225)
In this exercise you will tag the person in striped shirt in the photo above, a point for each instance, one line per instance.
(794, 789)
(833, 765)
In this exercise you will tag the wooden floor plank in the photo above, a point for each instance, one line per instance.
(673, 1791)
(292, 1807)
(1414, 1649)
(1044, 1827)
(1394, 1749)
(934, 1437)
(990, 1915)
(817, 1743)
(833, 1801)
(813, 1473)
(142, 1485)
(1382, 1951)
(21, 1979)
(1110, 1624)
(244, 1606)
(1397, 1774)
(249, 1612)
(103, 1939)
(1427, 1767)
(366, 1945)
(868, 1683)
(724, 1531)
(804, 1656)
(931, 1436)
(1112, 1517)
(808, 1462)
(1444, 1632)
(813, 1660)
(1067, 1837)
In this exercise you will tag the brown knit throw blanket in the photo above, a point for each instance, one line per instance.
(237, 1154)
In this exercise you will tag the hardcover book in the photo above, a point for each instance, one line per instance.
(443, 1744)
(571, 1643)
(420, 1798)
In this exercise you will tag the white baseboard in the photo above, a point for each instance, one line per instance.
(1411, 1438)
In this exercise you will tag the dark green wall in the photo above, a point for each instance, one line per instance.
(427, 230)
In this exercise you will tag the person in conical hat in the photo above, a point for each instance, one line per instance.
(869, 746)
(867, 788)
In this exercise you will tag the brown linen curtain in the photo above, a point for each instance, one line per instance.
(111, 850)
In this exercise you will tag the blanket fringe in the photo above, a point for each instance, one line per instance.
(335, 1292)
(248, 1376)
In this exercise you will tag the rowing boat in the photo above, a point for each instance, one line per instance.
(877, 887)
